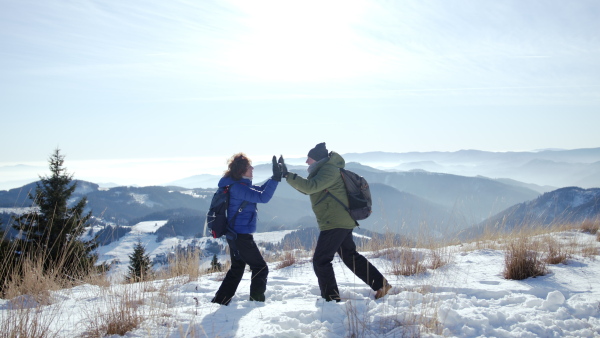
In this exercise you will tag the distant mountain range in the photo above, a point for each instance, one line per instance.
(553, 168)
(404, 202)
(542, 170)
(549, 169)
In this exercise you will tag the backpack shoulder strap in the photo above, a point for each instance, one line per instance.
(327, 193)
(244, 203)
(242, 206)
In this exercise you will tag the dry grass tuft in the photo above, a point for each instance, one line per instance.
(420, 319)
(590, 226)
(378, 245)
(555, 252)
(24, 319)
(357, 323)
(29, 277)
(439, 252)
(33, 281)
(439, 257)
(121, 315)
(290, 254)
(523, 260)
(28, 286)
(589, 251)
(184, 263)
(289, 259)
(406, 262)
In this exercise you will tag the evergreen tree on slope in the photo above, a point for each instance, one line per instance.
(140, 267)
(215, 265)
(52, 230)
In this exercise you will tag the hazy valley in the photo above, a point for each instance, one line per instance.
(409, 203)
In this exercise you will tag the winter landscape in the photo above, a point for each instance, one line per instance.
(449, 286)
(475, 124)
(449, 273)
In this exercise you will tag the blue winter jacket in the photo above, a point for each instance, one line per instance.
(243, 190)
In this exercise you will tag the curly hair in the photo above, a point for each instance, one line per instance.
(237, 166)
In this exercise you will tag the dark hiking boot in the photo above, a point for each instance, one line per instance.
(335, 298)
(257, 297)
(223, 301)
(384, 290)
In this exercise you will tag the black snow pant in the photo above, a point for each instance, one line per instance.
(243, 250)
(340, 241)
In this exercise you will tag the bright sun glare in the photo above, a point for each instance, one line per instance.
(292, 42)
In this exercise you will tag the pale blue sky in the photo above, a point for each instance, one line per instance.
(160, 79)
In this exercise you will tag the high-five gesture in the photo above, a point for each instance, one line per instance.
(276, 170)
(284, 171)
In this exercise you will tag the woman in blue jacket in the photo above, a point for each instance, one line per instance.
(242, 248)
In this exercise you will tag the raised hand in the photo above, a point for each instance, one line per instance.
(284, 171)
(276, 170)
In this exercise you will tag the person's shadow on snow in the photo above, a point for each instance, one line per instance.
(224, 320)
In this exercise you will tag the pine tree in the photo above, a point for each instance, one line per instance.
(215, 265)
(140, 267)
(52, 231)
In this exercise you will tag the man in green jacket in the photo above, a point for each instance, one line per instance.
(335, 223)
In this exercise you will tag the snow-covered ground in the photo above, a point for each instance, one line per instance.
(468, 297)
(143, 232)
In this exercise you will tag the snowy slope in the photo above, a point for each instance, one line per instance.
(118, 252)
(466, 298)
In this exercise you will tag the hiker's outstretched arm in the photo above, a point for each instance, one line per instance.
(252, 194)
(324, 179)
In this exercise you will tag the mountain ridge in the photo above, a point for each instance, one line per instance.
(562, 206)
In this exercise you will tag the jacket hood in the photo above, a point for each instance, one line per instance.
(337, 160)
(334, 159)
(227, 180)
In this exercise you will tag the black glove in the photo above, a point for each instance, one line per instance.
(276, 170)
(284, 171)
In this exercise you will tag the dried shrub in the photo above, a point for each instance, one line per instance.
(121, 316)
(556, 253)
(590, 226)
(183, 263)
(522, 260)
(589, 251)
(406, 262)
(33, 280)
(439, 258)
(22, 319)
(379, 243)
(28, 274)
(289, 259)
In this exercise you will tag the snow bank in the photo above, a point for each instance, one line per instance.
(466, 298)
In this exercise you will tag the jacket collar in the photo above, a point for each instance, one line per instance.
(311, 168)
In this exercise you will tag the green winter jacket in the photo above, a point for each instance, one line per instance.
(326, 177)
